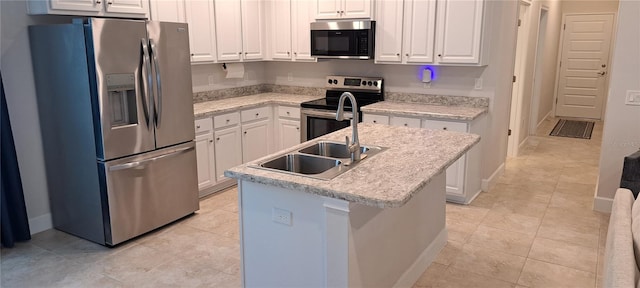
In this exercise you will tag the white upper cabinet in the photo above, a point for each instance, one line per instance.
(127, 6)
(228, 30)
(413, 36)
(389, 31)
(239, 30)
(405, 31)
(168, 11)
(289, 29)
(101, 8)
(341, 9)
(253, 29)
(419, 31)
(281, 29)
(302, 17)
(202, 38)
(459, 31)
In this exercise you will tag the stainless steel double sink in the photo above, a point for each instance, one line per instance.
(320, 160)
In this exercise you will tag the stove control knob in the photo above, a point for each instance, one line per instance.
(369, 83)
(375, 83)
(364, 83)
(335, 81)
(330, 81)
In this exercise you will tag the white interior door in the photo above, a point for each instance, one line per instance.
(583, 68)
(515, 116)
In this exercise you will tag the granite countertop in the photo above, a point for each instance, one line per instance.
(425, 110)
(209, 108)
(388, 179)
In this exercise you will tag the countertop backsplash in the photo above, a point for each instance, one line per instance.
(442, 100)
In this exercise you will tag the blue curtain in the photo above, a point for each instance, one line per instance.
(15, 224)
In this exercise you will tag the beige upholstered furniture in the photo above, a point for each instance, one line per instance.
(623, 242)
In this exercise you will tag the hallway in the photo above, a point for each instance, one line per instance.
(535, 228)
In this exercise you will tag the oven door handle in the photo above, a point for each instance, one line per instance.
(323, 114)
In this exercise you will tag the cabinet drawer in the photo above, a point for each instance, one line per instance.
(255, 114)
(226, 120)
(376, 119)
(289, 112)
(444, 125)
(203, 125)
(405, 121)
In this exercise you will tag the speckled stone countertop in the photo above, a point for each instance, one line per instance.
(209, 108)
(387, 179)
(425, 110)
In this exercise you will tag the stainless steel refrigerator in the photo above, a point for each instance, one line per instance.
(116, 116)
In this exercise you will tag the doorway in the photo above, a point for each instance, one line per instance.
(515, 117)
(584, 60)
(537, 78)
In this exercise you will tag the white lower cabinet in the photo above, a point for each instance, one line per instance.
(463, 176)
(205, 157)
(287, 127)
(455, 172)
(289, 131)
(256, 139)
(227, 147)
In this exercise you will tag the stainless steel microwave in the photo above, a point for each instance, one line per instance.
(343, 39)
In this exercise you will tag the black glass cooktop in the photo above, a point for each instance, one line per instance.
(330, 102)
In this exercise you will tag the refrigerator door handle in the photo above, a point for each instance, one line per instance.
(156, 64)
(147, 90)
(143, 162)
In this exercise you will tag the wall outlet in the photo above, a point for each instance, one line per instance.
(426, 85)
(281, 216)
(211, 80)
(633, 97)
(289, 76)
(478, 85)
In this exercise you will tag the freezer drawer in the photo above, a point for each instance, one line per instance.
(147, 191)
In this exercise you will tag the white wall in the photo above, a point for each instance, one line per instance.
(17, 74)
(621, 135)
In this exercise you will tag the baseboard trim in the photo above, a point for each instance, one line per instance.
(522, 145)
(601, 204)
(40, 223)
(542, 121)
(425, 259)
(488, 183)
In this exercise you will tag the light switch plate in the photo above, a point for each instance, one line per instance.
(633, 97)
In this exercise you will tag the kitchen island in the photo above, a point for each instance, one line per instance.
(380, 224)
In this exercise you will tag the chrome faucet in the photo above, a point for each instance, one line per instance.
(354, 146)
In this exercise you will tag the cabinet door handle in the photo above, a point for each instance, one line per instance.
(227, 120)
(211, 141)
(246, 53)
(110, 2)
(257, 114)
(100, 2)
(397, 54)
(295, 53)
(337, 12)
(197, 126)
(239, 53)
(245, 132)
(375, 121)
(218, 139)
(444, 128)
(297, 128)
(405, 125)
(406, 54)
(288, 113)
(192, 54)
(439, 55)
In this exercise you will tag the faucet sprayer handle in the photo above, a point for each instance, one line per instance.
(347, 142)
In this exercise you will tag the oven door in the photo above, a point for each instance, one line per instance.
(316, 123)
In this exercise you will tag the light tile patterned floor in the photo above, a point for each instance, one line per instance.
(535, 228)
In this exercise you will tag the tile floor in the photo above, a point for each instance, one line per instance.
(535, 228)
